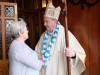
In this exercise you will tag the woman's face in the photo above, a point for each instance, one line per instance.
(49, 24)
(25, 34)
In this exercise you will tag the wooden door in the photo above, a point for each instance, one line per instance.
(8, 14)
(85, 25)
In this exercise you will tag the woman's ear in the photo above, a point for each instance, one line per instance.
(19, 33)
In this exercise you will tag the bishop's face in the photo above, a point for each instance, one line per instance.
(50, 24)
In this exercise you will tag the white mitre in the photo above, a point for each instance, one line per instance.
(52, 12)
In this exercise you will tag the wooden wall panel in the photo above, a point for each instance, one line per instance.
(84, 37)
(84, 24)
(75, 26)
(1, 73)
(93, 40)
(99, 32)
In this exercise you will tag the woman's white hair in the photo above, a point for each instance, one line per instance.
(16, 27)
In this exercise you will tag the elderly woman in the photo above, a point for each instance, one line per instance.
(23, 60)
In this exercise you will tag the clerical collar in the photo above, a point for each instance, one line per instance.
(51, 33)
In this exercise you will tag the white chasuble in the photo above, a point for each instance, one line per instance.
(57, 63)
